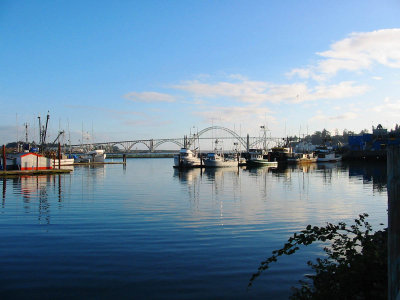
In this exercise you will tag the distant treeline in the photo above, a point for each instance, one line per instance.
(335, 139)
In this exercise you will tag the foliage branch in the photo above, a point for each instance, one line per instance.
(355, 266)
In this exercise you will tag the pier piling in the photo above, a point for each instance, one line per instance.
(4, 158)
(393, 186)
(59, 155)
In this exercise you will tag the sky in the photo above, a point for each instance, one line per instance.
(128, 70)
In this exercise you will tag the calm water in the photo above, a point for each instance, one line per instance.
(147, 231)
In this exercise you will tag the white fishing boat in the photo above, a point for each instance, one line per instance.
(215, 160)
(97, 156)
(258, 158)
(64, 161)
(326, 154)
(187, 159)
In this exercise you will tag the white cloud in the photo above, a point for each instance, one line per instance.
(388, 106)
(257, 92)
(149, 97)
(244, 91)
(236, 114)
(357, 52)
(345, 116)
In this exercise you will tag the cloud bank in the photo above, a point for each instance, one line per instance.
(357, 52)
(149, 97)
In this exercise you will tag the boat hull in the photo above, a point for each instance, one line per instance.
(262, 162)
(329, 158)
(335, 159)
(220, 163)
(63, 162)
(186, 162)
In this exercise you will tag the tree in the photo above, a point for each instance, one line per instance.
(355, 267)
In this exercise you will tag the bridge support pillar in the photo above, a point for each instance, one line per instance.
(151, 148)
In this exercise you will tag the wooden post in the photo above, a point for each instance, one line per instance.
(393, 184)
(37, 162)
(124, 158)
(59, 155)
(4, 158)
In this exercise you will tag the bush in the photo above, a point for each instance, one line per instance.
(355, 266)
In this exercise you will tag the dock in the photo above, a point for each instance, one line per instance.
(10, 173)
(98, 163)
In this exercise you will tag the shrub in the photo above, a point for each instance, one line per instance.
(355, 266)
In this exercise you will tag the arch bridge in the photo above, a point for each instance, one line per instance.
(152, 144)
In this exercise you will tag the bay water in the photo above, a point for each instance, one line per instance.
(148, 231)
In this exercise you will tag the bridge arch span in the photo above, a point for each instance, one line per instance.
(139, 142)
(168, 141)
(231, 132)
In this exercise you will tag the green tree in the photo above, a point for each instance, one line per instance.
(355, 266)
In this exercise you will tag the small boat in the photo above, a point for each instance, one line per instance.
(97, 156)
(326, 154)
(282, 154)
(258, 158)
(216, 160)
(307, 158)
(187, 159)
(293, 158)
(64, 161)
(302, 158)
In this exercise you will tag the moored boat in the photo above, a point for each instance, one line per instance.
(187, 159)
(215, 160)
(326, 154)
(97, 156)
(308, 158)
(258, 158)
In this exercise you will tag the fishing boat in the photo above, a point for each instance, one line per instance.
(216, 160)
(64, 161)
(294, 158)
(282, 154)
(258, 158)
(308, 158)
(326, 154)
(97, 156)
(187, 159)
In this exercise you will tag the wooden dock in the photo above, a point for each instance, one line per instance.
(12, 173)
(98, 163)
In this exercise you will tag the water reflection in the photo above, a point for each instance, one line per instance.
(4, 192)
(36, 192)
(300, 178)
(188, 176)
(373, 172)
(120, 221)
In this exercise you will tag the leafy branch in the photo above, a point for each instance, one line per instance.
(355, 266)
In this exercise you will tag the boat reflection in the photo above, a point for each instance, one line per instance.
(188, 175)
(371, 172)
(215, 182)
(36, 192)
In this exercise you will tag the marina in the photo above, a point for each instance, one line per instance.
(101, 230)
(199, 150)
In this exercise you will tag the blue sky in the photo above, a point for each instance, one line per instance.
(156, 69)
